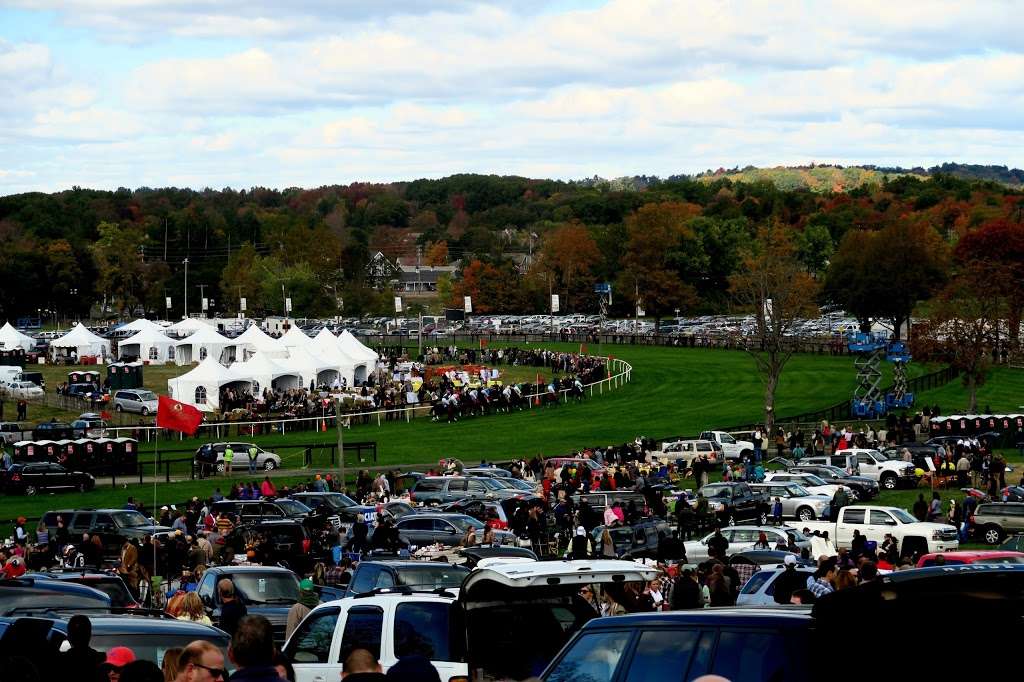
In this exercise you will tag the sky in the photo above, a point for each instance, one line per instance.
(219, 93)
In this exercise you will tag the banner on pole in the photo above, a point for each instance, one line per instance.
(468, 303)
(206, 303)
(288, 305)
(398, 304)
(167, 300)
(554, 303)
(241, 304)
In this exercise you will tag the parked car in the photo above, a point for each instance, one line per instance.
(513, 636)
(32, 478)
(424, 576)
(864, 488)
(12, 432)
(53, 430)
(25, 593)
(874, 522)
(281, 542)
(889, 472)
(23, 390)
(979, 556)
(248, 511)
(267, 591)
(267, 461)
(685, 451)
(109, 583)
(797, 501)
(733, 502)
(993, 521)
(421, 529)
(484, 510)
(431, 490)
(813, 484)
(137, 400)
(637, 541)
(759, 590)
(90, 393)
(89, 425)
(731, 448)
(114, 526)
(743, 538)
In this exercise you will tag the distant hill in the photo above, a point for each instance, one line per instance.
(842, 178)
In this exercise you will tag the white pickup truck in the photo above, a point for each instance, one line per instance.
(874, 522)
(731, 448)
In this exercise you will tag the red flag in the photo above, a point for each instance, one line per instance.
(170, 414)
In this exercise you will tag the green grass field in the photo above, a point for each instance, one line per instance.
(673, 392)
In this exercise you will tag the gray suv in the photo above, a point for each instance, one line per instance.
(443, 489)
(420, 530)
(995, 520)
(136, 400)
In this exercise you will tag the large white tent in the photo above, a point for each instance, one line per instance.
(141, 324)
(80, 341)
(365, 359)
(11, 338)
(187, 326)
(262, 372)
(315, 369)
(201, 386)
(295, 338)
(326, 345)
(199, 345)
(149, 344)
(255, 340)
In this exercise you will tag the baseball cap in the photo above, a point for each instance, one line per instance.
(306, 584)
(120, 656)
(580, 530)
(790, 560)
(164, 508)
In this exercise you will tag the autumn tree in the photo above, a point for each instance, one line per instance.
(883, 274)
(119, 263)
(775, 287)
(242, 278)
(568, 257)
(657, 251)
(494, 288)
(436, 254)
(998, 247)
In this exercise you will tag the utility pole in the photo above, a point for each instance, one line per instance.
(551, 308)
(165, 239)
(338, 406)
(284, 301)
(186, 287)
(202, 296)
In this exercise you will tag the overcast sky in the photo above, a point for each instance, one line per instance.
(216, 93)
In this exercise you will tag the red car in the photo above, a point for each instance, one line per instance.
(981, 556)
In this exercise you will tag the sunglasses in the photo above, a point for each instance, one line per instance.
(215, 673)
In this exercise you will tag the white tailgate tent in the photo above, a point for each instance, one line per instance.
(141, 324)
(295, 338)
(11, 338)
(201, 386)
(255, 340)
(314, 368)
(80, 341)
(265, 372)
(187, 326)
(148, 345)
(201, 344)
(326, 345)
(366, 359)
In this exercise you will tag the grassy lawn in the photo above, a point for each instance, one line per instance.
(1003, 391)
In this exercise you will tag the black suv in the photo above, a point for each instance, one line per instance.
(32, 478)
(114, 526)
(248, 511)
(733, 502)
(24, 593)
(109, 583)
(267, 591)
(419, 575)
(864, 487)
(53, 431)
(285, 542)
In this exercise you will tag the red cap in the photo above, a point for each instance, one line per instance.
(120, 656)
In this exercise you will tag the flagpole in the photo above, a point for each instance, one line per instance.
(156, 460)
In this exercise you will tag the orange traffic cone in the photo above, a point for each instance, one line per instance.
(323, 425)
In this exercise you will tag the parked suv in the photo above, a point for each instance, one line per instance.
(442, 489)
(993, 521)
(284, 542)
(114, 526)
(737, 502)
(32, 478)
(742, 539)
(249, 511)
(53, 430)
(12, 432)
(419, 575)
(136, 400)
(890, 474)
(797, 502)
(267, 461)
(422, 529)
(602, 499)
(267, 591)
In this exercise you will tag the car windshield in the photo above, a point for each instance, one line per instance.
(796, 535)
(293, 507)
(515, 483)
(902, 516)
(338, 501)
(464, 522)
(153, 645)
(797, 490)
(147, 395)
(432, 575)
(267, 588)
(491, 483)
(717, 491)
(128, 519)
(811, 479)
(114, 587)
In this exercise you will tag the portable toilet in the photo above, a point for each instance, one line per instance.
(124, 375)
(106, 453)
(127, 452)
(65, 452)
(88, 454)
(24, 451)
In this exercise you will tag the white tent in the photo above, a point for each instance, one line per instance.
(315, 369)
(80, 341)
(365, 358)
(141, 324)
(262, 372)
(295, 338)
(255, 340)
(201, 386)
(11, 338)
(201, 344)
(148, 344)
(326, 345)
(187, 326)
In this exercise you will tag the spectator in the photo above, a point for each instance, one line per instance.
(284, 667)
(232, 609)
(413, 669)
(192, 609)
(361, 666)
(76, 662)
(252, 651)
(169, 664)
(117, 658)
(141, 671)
(789, 581)
(308, 600)
(201, 661)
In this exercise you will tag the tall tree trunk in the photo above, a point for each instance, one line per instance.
(972, 393)
(770, 384)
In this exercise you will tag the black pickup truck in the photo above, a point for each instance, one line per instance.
(733, 502)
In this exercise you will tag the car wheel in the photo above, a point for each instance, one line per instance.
(145, 411)
(269, 465)
(889, 482)
(118, 408)
(805, 514)
(30, 490)
(220, 467)
(992, 535)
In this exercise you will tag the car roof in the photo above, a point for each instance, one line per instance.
(104, 623)
(777, 616)
(407, 563)
(538, 573)
(383, 598)
(974, 554)
(249, 569)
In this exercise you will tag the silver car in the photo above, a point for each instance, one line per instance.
(136, 400)
(268, 461)
(797, 502)
(742, 539)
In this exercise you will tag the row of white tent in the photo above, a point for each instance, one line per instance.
(258, 361)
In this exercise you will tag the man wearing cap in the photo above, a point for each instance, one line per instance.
(229, 457)
(253, 452)
(789, 581)
(581, 544)
(117, 659)
(80, 661)
(308, 600)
